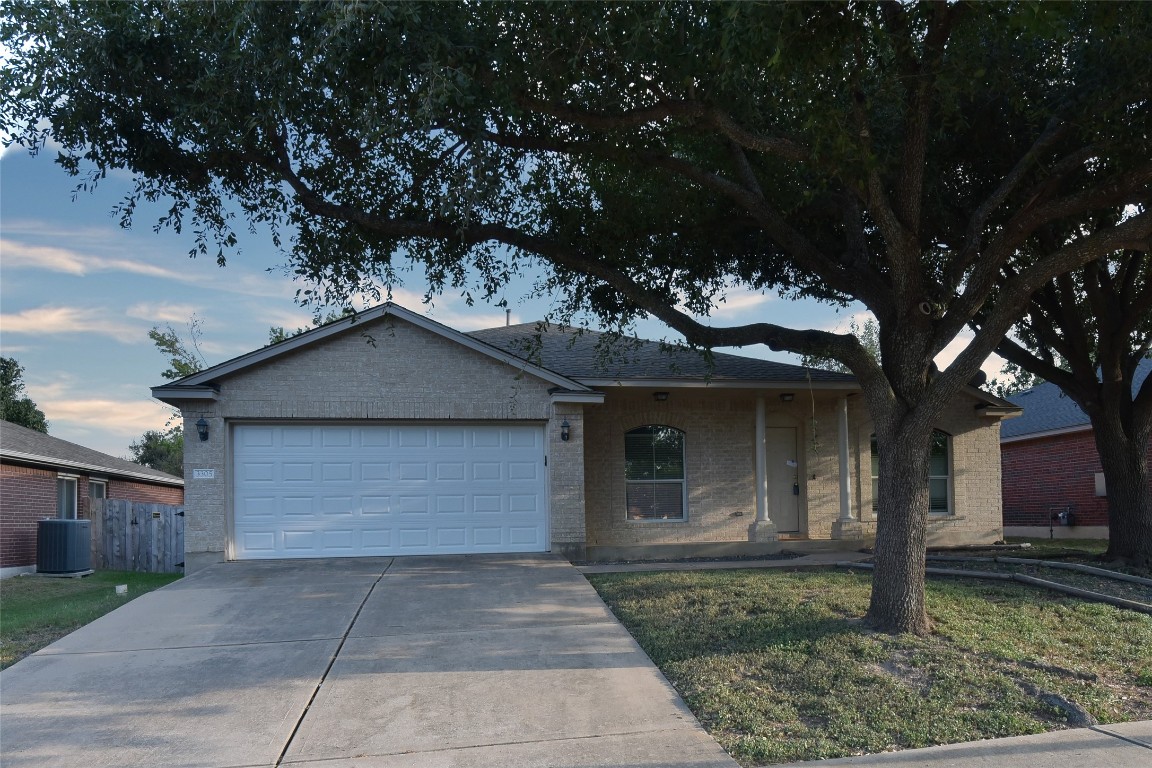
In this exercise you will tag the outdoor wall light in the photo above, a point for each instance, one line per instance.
(659, 396)
(565, 430)
(202, 428)
(787, 397)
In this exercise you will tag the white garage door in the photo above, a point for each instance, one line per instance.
(346, 491)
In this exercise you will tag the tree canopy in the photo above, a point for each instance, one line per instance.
(15, 406)
(644, 156)
(162, 450)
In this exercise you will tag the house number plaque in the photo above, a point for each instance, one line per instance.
(203, 474)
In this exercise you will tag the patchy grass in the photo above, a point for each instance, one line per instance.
(1115, 588)
(1071, 550)
(779, 668)
(36, 610)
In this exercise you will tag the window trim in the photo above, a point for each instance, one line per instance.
(96, 481)
(682, 481)
(949, 478)
(61, 482)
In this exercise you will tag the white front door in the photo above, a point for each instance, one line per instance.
(334, 490)
(783, 475)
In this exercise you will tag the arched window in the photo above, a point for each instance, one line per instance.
(939, 474)
(654, 473)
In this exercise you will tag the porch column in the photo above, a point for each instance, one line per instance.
(846, 526)
(763, 530)
(845, 466)
(761, 469)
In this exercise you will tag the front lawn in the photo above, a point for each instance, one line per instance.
(36, 610)
(1075, 550)
(779, 668)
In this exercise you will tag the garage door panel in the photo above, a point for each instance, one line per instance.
(336, 490)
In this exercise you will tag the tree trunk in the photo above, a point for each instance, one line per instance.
(897, 603)
(1124, 459)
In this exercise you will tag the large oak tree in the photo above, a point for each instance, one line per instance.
(646, 156)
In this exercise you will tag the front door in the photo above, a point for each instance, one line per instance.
(783, 474)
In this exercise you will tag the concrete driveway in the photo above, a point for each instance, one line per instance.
(506, 661)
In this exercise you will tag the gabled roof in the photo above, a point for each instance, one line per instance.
(574, 360)
(1047, 410)
(27, 446)
(202, 385)
(595, 359)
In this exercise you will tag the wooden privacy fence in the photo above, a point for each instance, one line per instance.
(133, 536)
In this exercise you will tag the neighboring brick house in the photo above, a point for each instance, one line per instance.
(389, 433)
(1050, 465)
(43, 476)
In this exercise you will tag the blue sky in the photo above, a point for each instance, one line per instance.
(78, 295)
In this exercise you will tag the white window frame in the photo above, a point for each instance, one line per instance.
(682, 482)
(62, 481)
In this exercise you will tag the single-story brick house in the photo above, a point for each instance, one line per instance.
(1051, 465)
(43, 476)
(389, 434)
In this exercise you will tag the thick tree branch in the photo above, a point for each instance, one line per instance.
(974, 235)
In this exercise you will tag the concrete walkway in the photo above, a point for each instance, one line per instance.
(368, 663)
(817, 560)
(1126, 745)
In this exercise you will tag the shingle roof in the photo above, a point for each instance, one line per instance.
(19, 443)
(587, 355)
(1046, 408)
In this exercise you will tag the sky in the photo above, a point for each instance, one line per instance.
(78, 295)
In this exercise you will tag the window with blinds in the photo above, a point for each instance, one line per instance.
(654, 473)
(939, 474)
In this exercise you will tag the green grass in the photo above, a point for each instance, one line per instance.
(779, 668)
(37, 610)
(1075, 550)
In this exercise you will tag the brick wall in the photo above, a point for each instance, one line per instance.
(145, 493)
(975, 469)
(1048, 473)
(28, 494)
(720, 452)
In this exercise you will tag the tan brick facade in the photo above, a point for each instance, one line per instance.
(720, 455)
(393, 370)
(384, 370)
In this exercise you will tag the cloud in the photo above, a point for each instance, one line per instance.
(19, 255)
(50, 321)
(991, 365)
(445, 310)
(103, 424)
(162, 313)
(122, 416)
(738, 302)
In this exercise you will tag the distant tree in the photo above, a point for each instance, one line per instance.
(1012, 380)
(161, 450)
(278, 333)
(184, 355)
(868, 335)
(15, 406)
(164, 450)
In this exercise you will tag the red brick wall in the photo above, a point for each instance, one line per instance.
(29, 494)
(26, 495)
(1051, 472)
(145, 492)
